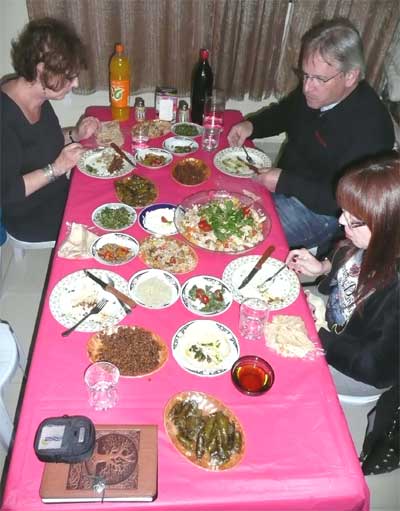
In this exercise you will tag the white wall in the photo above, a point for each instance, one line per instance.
(14, 15)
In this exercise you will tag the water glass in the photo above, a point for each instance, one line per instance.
(140, 135)
(101, 379)
(210, 139)
(214, 108)
(253, 316)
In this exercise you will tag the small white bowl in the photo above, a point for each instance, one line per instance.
(117, 238)
(175, 145)
(114, 205)
(157, 280)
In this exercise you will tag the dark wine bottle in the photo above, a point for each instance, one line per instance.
(202, 83)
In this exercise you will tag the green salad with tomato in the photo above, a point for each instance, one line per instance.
(209, 299)
(226, 225)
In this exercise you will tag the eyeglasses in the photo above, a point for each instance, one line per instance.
(319, 80)
(353, 224)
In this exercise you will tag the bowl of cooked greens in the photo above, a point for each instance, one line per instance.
(222, 221)
(187, 129)
(114, 216)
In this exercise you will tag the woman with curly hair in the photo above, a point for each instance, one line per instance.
(37, 154)
(361, 341)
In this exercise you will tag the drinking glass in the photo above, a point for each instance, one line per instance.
(214, 109)
(101, 379)
(140, 135)
(253, 316)
(210, 138)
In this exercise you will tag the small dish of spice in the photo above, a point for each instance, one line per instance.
(252, 375)
(191, 172)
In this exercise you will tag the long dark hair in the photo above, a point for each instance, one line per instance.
(54, 43)
(370, 191)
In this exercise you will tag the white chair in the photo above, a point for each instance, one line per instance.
(11, 355)
(358, 400)
(19, 246)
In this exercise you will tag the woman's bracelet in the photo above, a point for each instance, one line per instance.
(48, 171)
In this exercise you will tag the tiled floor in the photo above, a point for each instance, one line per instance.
(21, 287)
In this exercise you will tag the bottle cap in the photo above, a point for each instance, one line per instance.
(204, 54)
(119, 48)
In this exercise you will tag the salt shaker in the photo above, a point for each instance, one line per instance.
(183, 111)
(140, 110)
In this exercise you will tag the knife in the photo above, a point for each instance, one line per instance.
(111, 289)
(121, 153)
(257, 267)
(249, 165)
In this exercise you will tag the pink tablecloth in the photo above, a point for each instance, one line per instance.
(299, 454)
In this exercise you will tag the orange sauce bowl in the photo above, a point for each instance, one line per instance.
(252, 375)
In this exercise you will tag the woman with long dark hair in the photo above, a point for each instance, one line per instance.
(362, 313)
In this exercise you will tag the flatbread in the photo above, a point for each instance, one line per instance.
(168, 254)
(287, 335)
(109, 132)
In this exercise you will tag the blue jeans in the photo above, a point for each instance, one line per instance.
(302, 227)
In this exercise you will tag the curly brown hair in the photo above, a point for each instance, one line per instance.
(54, 43)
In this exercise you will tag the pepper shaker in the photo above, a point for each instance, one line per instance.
(183, 111)
(140, 110)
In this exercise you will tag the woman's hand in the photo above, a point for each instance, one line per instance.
(67, 158)
(85, 128)
(239, 133)
(301, 261)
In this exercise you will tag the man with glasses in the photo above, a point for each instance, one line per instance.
(331, 119)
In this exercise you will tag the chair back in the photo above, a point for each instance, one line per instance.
(19, 247)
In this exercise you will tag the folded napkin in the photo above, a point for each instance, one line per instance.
(77, 243)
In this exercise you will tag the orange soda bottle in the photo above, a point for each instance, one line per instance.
(120, 81)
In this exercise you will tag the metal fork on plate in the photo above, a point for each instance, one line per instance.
(96, 309)
(248, 157)
(262, 287)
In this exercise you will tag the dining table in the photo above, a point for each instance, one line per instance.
(299, 455)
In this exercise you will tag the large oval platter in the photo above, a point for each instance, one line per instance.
(130, 348)
(104, 163)
(76, 294)
(232, 161)
(205, 347)
(279, 293)
(205, 408)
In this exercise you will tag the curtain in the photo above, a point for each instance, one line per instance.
(163, 38)
(376, 20)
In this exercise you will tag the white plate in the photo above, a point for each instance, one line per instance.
(199, 335)
(117, 238)
(142, 153)
(96, 218)
(208, 284)
(175, 145)
(281, 291)
(160, 287)
(175, 128)
(76, 294)
(95, 162)
(150, 219)
(227, 161)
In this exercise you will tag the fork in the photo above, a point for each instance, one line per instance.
(248, 157)
(96, 309)
(261, 287)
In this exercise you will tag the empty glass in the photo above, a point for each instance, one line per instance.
(253, 316)
(214, 109)
(210, 138)
(101, 379)
(140, 135)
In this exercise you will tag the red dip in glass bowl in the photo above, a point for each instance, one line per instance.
(252, 375)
